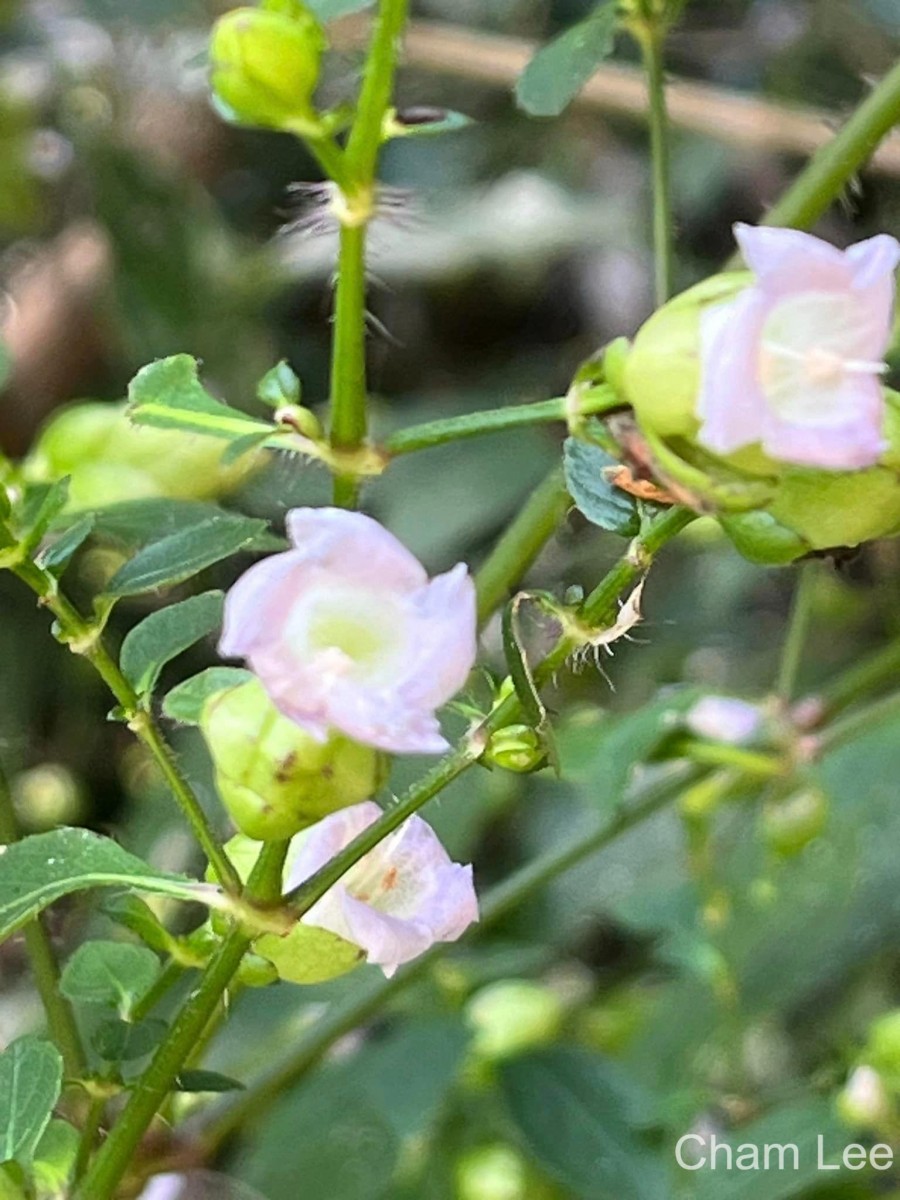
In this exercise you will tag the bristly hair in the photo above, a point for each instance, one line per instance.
(310, 209)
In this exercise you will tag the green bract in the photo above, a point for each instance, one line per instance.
(773, 512)
(110, 460)
(265, 67)
(274, 777)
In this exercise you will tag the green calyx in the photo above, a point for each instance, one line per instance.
(273, 777)
(265, 66)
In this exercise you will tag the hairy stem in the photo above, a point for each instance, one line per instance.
(60, 1018)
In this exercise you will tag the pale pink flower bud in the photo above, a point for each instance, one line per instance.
(795, 362)
(346, 632)
(724, 719)
(399, 899)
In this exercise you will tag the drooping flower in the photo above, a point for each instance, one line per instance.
(399, 899)
(795, 362)
(346, 632)
(724, 719)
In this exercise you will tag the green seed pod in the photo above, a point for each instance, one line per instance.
(265, 66)
(109, 459)
(515, 748)
(789, 825)
(511, 1016)
(274, 777)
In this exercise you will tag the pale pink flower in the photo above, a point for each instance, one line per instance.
(399, 899)
(795, 361)
(724, 719)
(346, 632)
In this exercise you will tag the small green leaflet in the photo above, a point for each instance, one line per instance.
(58, 553)
(206, 1081)
(114, 974)
(41, 869)
(559, 70)
(165, 634)
(168, 394)
(587, 478)
(185, 702)
(181, 555)
(123, 1041)
(31, 1072)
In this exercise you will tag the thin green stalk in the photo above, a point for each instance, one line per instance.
(190, 1028)
(797, 632)
(830, 169)
(513, 416)
(341, 1019)
(349, 389)
(652, 41)
(171, 973)
(521, 543)
(883, 666)
(85, 640)
(595, 610)
(348, 373)
(858, 723)
(60, 1018)
(89, 1134)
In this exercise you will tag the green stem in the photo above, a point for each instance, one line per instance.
(342, 1019)
(594, 611)
(830, 169)
(521, 543)
(858, 723)
(171, 973)
(514, 416)
(348, 371)
(652, 41)
(89, 1133)
(60, 1018)
(797, 632)
(349, 389)
(85, 640)
(883, 666)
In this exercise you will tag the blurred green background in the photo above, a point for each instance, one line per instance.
(134, 224)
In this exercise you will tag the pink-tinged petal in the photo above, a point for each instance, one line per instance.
(446, 609)
(768, 251)
(250, 603)
(850, 447)
(455, 903)
(731, 404)
(724, 719)
(326, 838)
(388, 941)
(352, 544)
(874, 261)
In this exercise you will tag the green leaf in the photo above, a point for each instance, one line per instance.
(55, 1157)
(559, 70)
(587, 479)
(419, 123)
(168, 394)
(138, 522)
(206, 1081)
(52, 503)
(183, 554)
(41, 869)
(165, 634)
(31, 1072)
(185, 702)
(60, 551)
(279, 387)
(576, 1119)
(114, 974)
(123, 1041)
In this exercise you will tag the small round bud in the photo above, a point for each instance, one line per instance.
(864, 1102)
(495, 1172)
(265, 66)
(274, 777)
(47, 796)
(515, 748)
(513, 1015)
(790, 825)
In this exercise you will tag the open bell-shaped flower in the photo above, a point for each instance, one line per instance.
(398, 900)
(346, 632)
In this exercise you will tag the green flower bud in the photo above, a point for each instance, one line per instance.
(495, 1172)
(304, 955)
(790, 825)
(511, 1016)
(515, 748)
(48, 796)
(109, 459)
(274, 777)
(661, 376)
(265, 66)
